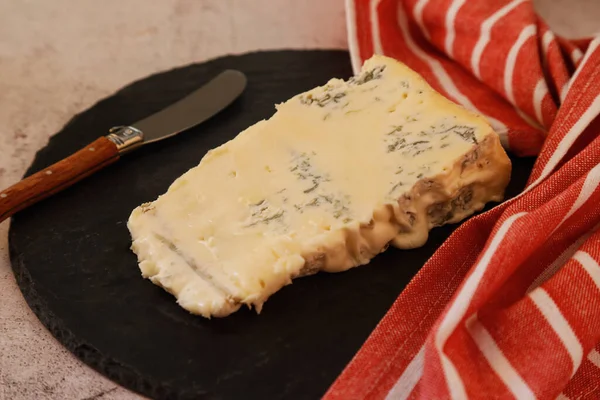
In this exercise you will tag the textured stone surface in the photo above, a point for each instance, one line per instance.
(59, 57)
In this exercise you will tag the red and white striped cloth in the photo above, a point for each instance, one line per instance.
(509, 306)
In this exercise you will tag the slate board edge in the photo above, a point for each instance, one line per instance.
(84, 352)
(118, 373)
(104, 363)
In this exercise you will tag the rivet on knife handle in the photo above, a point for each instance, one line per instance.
(58, 176)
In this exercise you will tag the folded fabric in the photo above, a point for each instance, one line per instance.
(509, 305)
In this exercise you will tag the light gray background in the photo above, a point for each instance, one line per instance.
(59, 57)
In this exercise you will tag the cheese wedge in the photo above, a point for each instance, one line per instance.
(333, 177)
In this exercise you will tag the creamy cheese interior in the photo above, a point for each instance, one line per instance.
(317, 187)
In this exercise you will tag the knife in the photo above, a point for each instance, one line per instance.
(190, 111)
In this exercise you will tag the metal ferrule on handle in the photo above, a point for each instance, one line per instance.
(126, 138)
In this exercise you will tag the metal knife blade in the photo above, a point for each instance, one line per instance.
(193, 109)
(190, 111)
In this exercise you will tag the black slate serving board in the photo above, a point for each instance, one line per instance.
(72, 261)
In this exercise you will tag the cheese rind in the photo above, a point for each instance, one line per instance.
(333, 177)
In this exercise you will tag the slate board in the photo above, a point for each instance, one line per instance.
(72, 261)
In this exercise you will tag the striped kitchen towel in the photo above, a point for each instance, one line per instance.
(509, 306)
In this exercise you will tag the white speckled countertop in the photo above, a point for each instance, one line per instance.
(59, 57)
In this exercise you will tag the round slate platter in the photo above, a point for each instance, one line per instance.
(72, 261)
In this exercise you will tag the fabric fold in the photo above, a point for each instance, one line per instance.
(508, 306)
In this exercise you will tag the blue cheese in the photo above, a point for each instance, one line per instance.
(333, 177)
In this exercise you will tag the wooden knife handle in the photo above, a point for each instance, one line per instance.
(57, 177)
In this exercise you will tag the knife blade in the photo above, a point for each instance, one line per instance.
(190, 111)
(193, 109)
